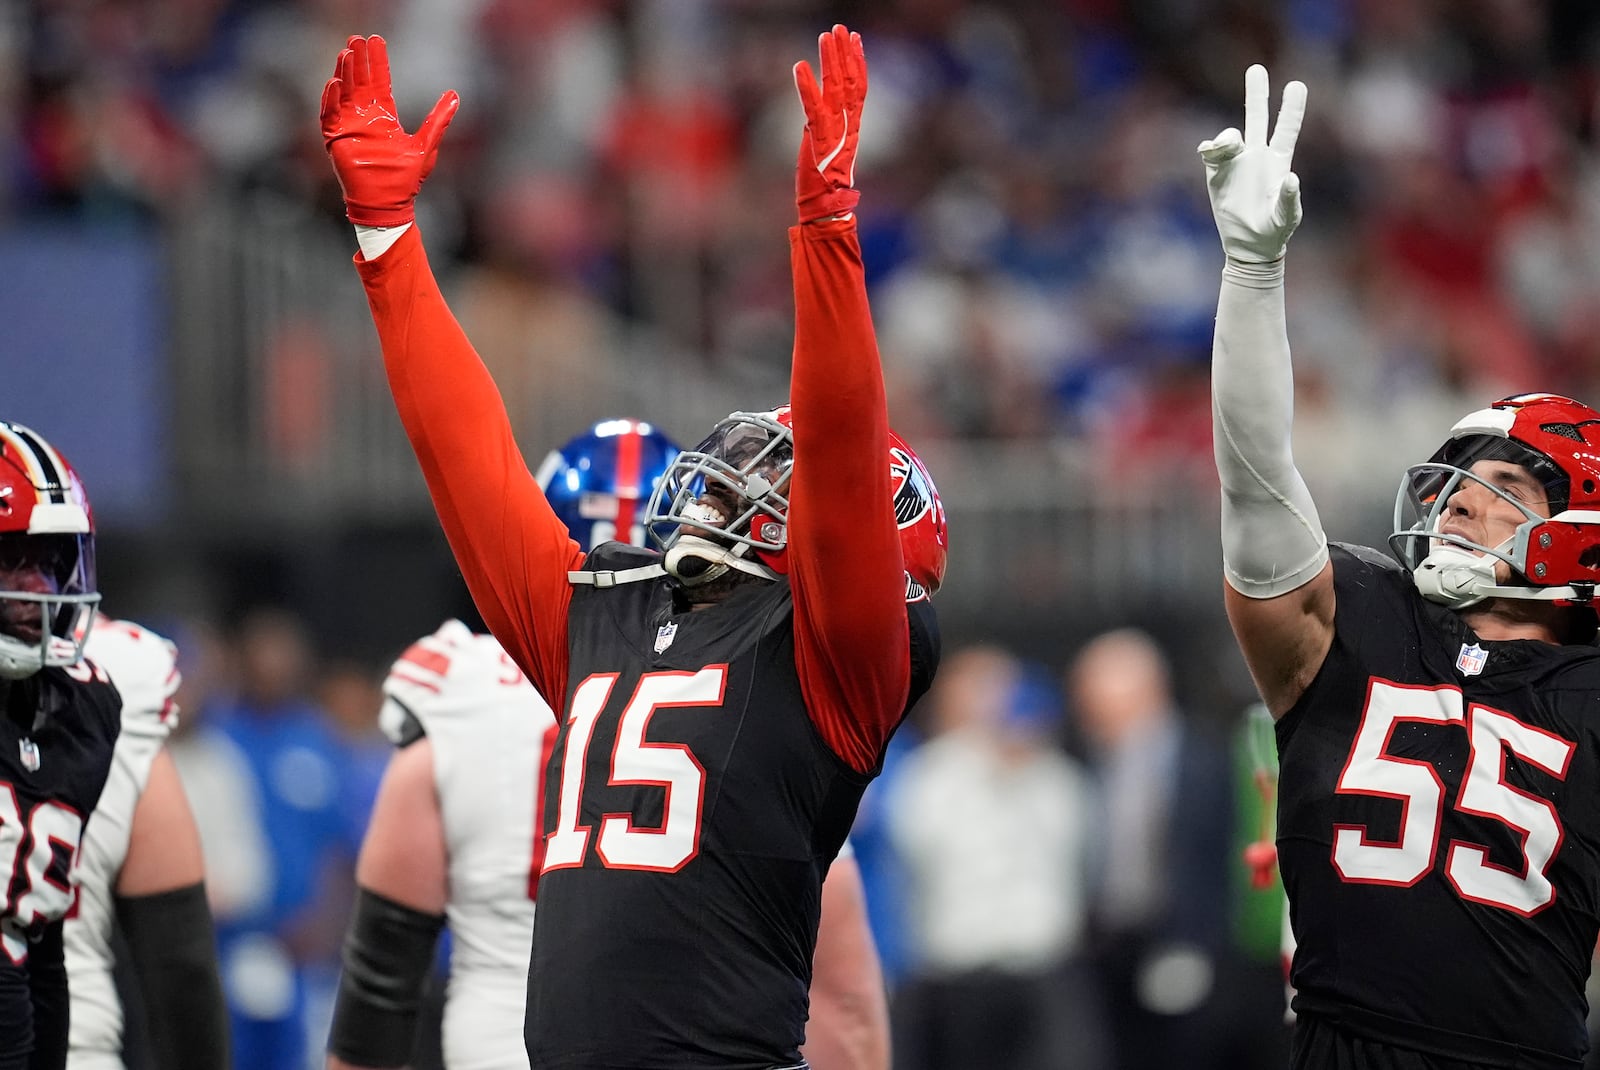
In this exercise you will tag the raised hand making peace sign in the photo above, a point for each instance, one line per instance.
(1255, 197)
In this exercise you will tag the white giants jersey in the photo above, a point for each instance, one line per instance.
(490, 733)
(144, 667)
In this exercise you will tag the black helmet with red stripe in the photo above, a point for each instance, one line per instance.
(47, 578)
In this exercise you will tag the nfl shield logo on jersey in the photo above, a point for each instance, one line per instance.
(1471, 659)
(664, 635)
(30, 755)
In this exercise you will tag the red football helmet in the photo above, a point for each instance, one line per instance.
(746, 462)
(47, 578)
(1555, 558)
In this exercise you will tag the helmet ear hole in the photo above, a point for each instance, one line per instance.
(1590, 558)
(1588, 486)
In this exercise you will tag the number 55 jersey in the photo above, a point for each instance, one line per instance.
(1439, 829)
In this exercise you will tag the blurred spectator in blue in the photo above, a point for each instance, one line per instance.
(990, 819)
(292, 764)
(1160, 903)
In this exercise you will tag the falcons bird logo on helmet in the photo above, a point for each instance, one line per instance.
(912, 499)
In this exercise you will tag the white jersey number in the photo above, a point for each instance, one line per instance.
(621, 844)
(43, 849)
(1371, 770)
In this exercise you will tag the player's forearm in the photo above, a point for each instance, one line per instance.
(513, 551)
(844, 548)
(171, 940)
(387, 954)
(1272, 538)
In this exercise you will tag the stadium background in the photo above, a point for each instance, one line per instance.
(181, 318)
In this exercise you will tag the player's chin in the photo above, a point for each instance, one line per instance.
(23, 631)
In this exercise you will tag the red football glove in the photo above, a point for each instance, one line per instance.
(380, 167)
(824, 181)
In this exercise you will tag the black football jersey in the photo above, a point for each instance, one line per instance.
(57, 731)
(691, 813)
(1439, 829)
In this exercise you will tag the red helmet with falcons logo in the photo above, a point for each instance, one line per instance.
(745, 464)
(1554, 557)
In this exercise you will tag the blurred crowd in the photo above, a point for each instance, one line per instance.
(1035, 225)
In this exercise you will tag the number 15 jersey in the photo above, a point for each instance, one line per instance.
(691, 812)
(1439, 829)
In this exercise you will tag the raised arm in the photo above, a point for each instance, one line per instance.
(1279, 590)
(512, 550)
(846, 571)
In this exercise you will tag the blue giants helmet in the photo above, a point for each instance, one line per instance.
(601, 481)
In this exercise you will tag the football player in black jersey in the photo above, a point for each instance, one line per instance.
(722, 704)
(60, 723)
(1438, 714)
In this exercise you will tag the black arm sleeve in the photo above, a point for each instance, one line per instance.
(47, 985)
(174, 952)
(387, 954)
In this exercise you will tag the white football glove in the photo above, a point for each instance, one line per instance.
(1255, 198)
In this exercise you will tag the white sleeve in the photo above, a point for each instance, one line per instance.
(375, 241)
(1272, 538)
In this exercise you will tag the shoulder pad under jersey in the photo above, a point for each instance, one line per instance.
(1366, 558)
(453, 673)
(144, 668)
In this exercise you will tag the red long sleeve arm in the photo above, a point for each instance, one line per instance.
(851, 639)
(509, 544)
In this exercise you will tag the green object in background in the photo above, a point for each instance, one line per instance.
(1257, 912)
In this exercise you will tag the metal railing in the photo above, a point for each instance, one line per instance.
(285, 424)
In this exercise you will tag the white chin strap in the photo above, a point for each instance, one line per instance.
(19, 660)
(1455, 577)
(694, 560)
(1458, 578)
